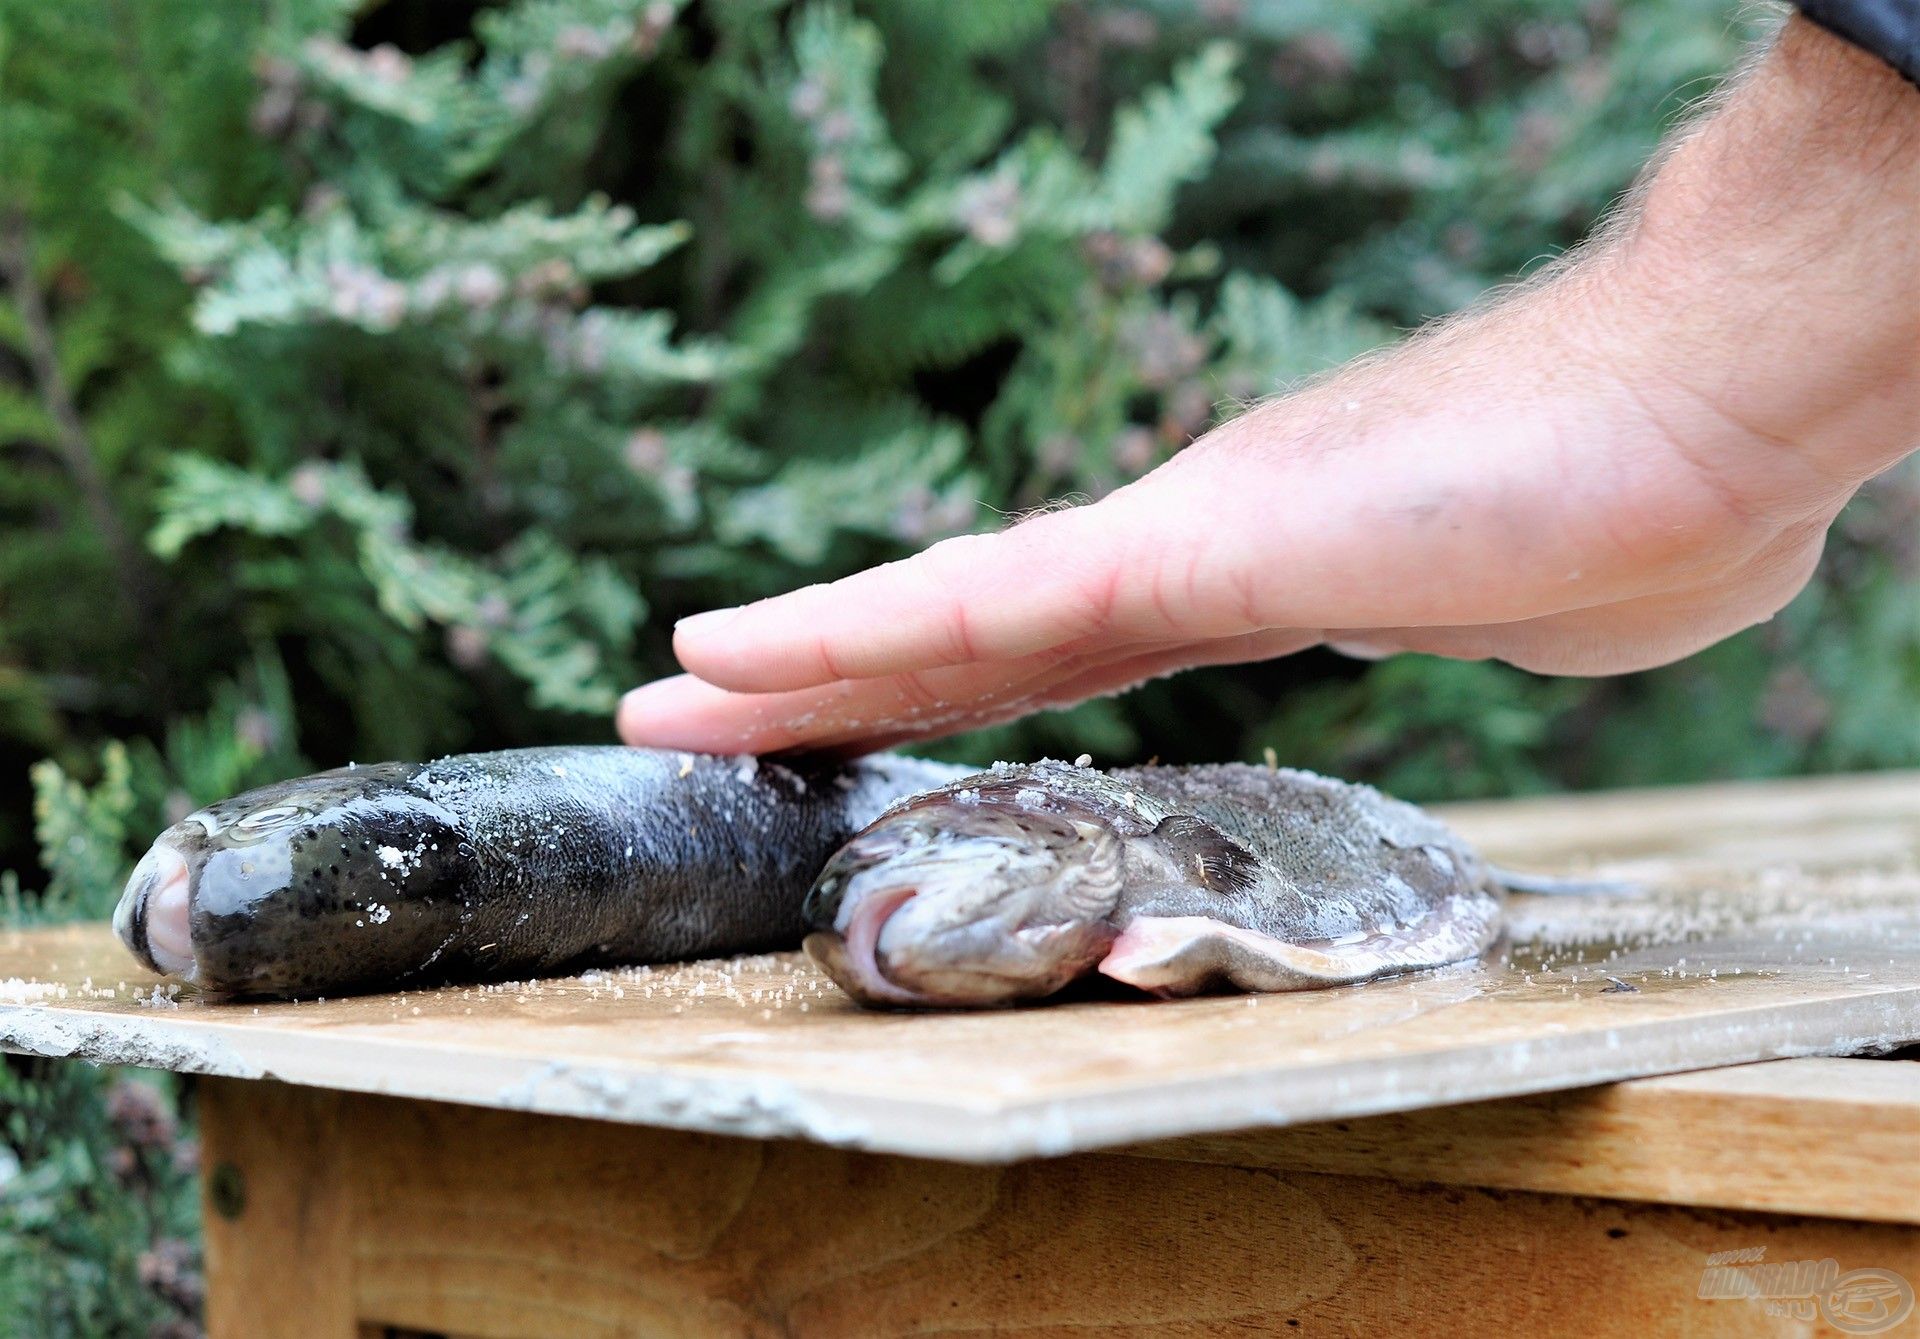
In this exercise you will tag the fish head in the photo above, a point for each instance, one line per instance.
(948, 903)
(325, 848)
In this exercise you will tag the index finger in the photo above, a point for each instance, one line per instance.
(1046, 582)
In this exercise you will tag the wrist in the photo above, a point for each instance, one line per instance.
(1774, 258)
(1889, 29)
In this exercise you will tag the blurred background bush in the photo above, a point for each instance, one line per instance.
(383, 379)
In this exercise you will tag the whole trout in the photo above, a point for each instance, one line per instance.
(1007, 885)
(496, 865)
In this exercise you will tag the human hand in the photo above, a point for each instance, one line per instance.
(1607, 470)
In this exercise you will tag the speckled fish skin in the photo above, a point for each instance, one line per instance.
(510, 864)
(1007, 885)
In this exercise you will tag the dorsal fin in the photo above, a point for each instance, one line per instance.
(1206, 857)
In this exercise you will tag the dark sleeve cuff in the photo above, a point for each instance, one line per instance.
(1890, 29)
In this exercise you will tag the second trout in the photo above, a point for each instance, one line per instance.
(1008, 885)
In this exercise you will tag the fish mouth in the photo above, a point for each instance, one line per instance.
(852, 956)
(981, 906)
(855, 958)
(153, 915)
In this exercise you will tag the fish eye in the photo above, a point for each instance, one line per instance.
(263, 820)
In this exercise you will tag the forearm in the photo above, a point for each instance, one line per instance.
(1786, 225)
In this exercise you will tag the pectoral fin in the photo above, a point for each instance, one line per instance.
(1205, 857)
(1190, 955)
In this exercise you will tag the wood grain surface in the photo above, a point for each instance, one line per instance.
(481, 1223)
(1777, 920)
(1812, 1136)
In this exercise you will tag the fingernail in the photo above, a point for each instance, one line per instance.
(646, 709)
(711, 621)
(1362, 650)
(631, 701)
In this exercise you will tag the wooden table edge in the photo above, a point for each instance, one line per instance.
(1824, 1136)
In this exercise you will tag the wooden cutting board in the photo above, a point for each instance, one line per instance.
(1781, 919)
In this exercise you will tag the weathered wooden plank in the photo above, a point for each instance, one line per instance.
(279, 1213)
(1860, 821)
(1811, 1136)
(1734, 956)
(507, 1226)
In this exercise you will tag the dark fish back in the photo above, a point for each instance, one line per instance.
(1331, 858)
(1275, 850)
(635, 855)
(536, 861)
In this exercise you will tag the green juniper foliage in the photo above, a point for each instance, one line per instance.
(382, 379)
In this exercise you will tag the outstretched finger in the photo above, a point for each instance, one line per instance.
(971, 598)
(1080, 576)
(849, 715)
(852, 716)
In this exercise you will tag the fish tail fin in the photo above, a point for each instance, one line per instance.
(1556, 885)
